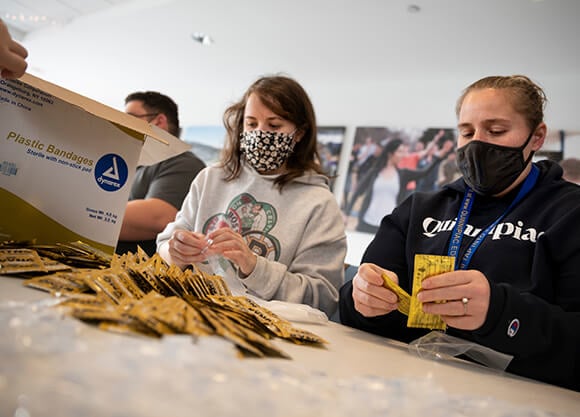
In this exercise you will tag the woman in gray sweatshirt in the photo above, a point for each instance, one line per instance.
(266, 207)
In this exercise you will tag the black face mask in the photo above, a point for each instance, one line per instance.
(489, 169)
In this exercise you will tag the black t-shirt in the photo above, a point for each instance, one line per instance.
(167, 180)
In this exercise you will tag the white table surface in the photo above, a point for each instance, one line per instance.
(350, 354)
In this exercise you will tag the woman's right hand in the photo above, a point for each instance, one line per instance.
(370, 297)
(185, 247)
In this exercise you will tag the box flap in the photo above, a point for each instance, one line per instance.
(154, 151)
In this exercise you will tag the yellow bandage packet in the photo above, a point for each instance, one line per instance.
(15, 261)
(404, 297)
(426, 266)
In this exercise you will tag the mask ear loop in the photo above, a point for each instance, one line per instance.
(294, 142)
(527, 161)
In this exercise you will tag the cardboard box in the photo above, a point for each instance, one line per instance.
(67, 163)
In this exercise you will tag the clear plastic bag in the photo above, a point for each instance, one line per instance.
(438, 345)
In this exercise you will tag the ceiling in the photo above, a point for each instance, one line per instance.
(27, 16)
(348, 54)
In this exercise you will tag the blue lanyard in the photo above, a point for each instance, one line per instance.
(463, 215)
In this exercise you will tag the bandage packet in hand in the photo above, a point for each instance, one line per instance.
(426, 266)
(404, 297)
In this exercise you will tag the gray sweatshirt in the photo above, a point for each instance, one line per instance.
(298, 233)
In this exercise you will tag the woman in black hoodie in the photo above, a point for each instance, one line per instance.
(512, 226)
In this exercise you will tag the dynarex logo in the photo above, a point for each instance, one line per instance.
(111, 172)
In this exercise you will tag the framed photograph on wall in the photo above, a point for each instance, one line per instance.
(387, 164)
(330, 140)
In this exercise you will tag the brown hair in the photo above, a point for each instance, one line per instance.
(285, 97)
(527, 97)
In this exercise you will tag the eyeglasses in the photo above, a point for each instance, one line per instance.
(146, 115)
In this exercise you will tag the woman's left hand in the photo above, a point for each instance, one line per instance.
(461, 298)
(232, 246)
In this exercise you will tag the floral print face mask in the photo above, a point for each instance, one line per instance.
(266, 151)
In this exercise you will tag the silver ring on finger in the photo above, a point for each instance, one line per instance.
(465, 301)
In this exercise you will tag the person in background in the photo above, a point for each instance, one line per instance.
(366, 155)
(419, 157)
(571, 168)
(158, 190)
(266, 207)
(12, 55)
(509, 223)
